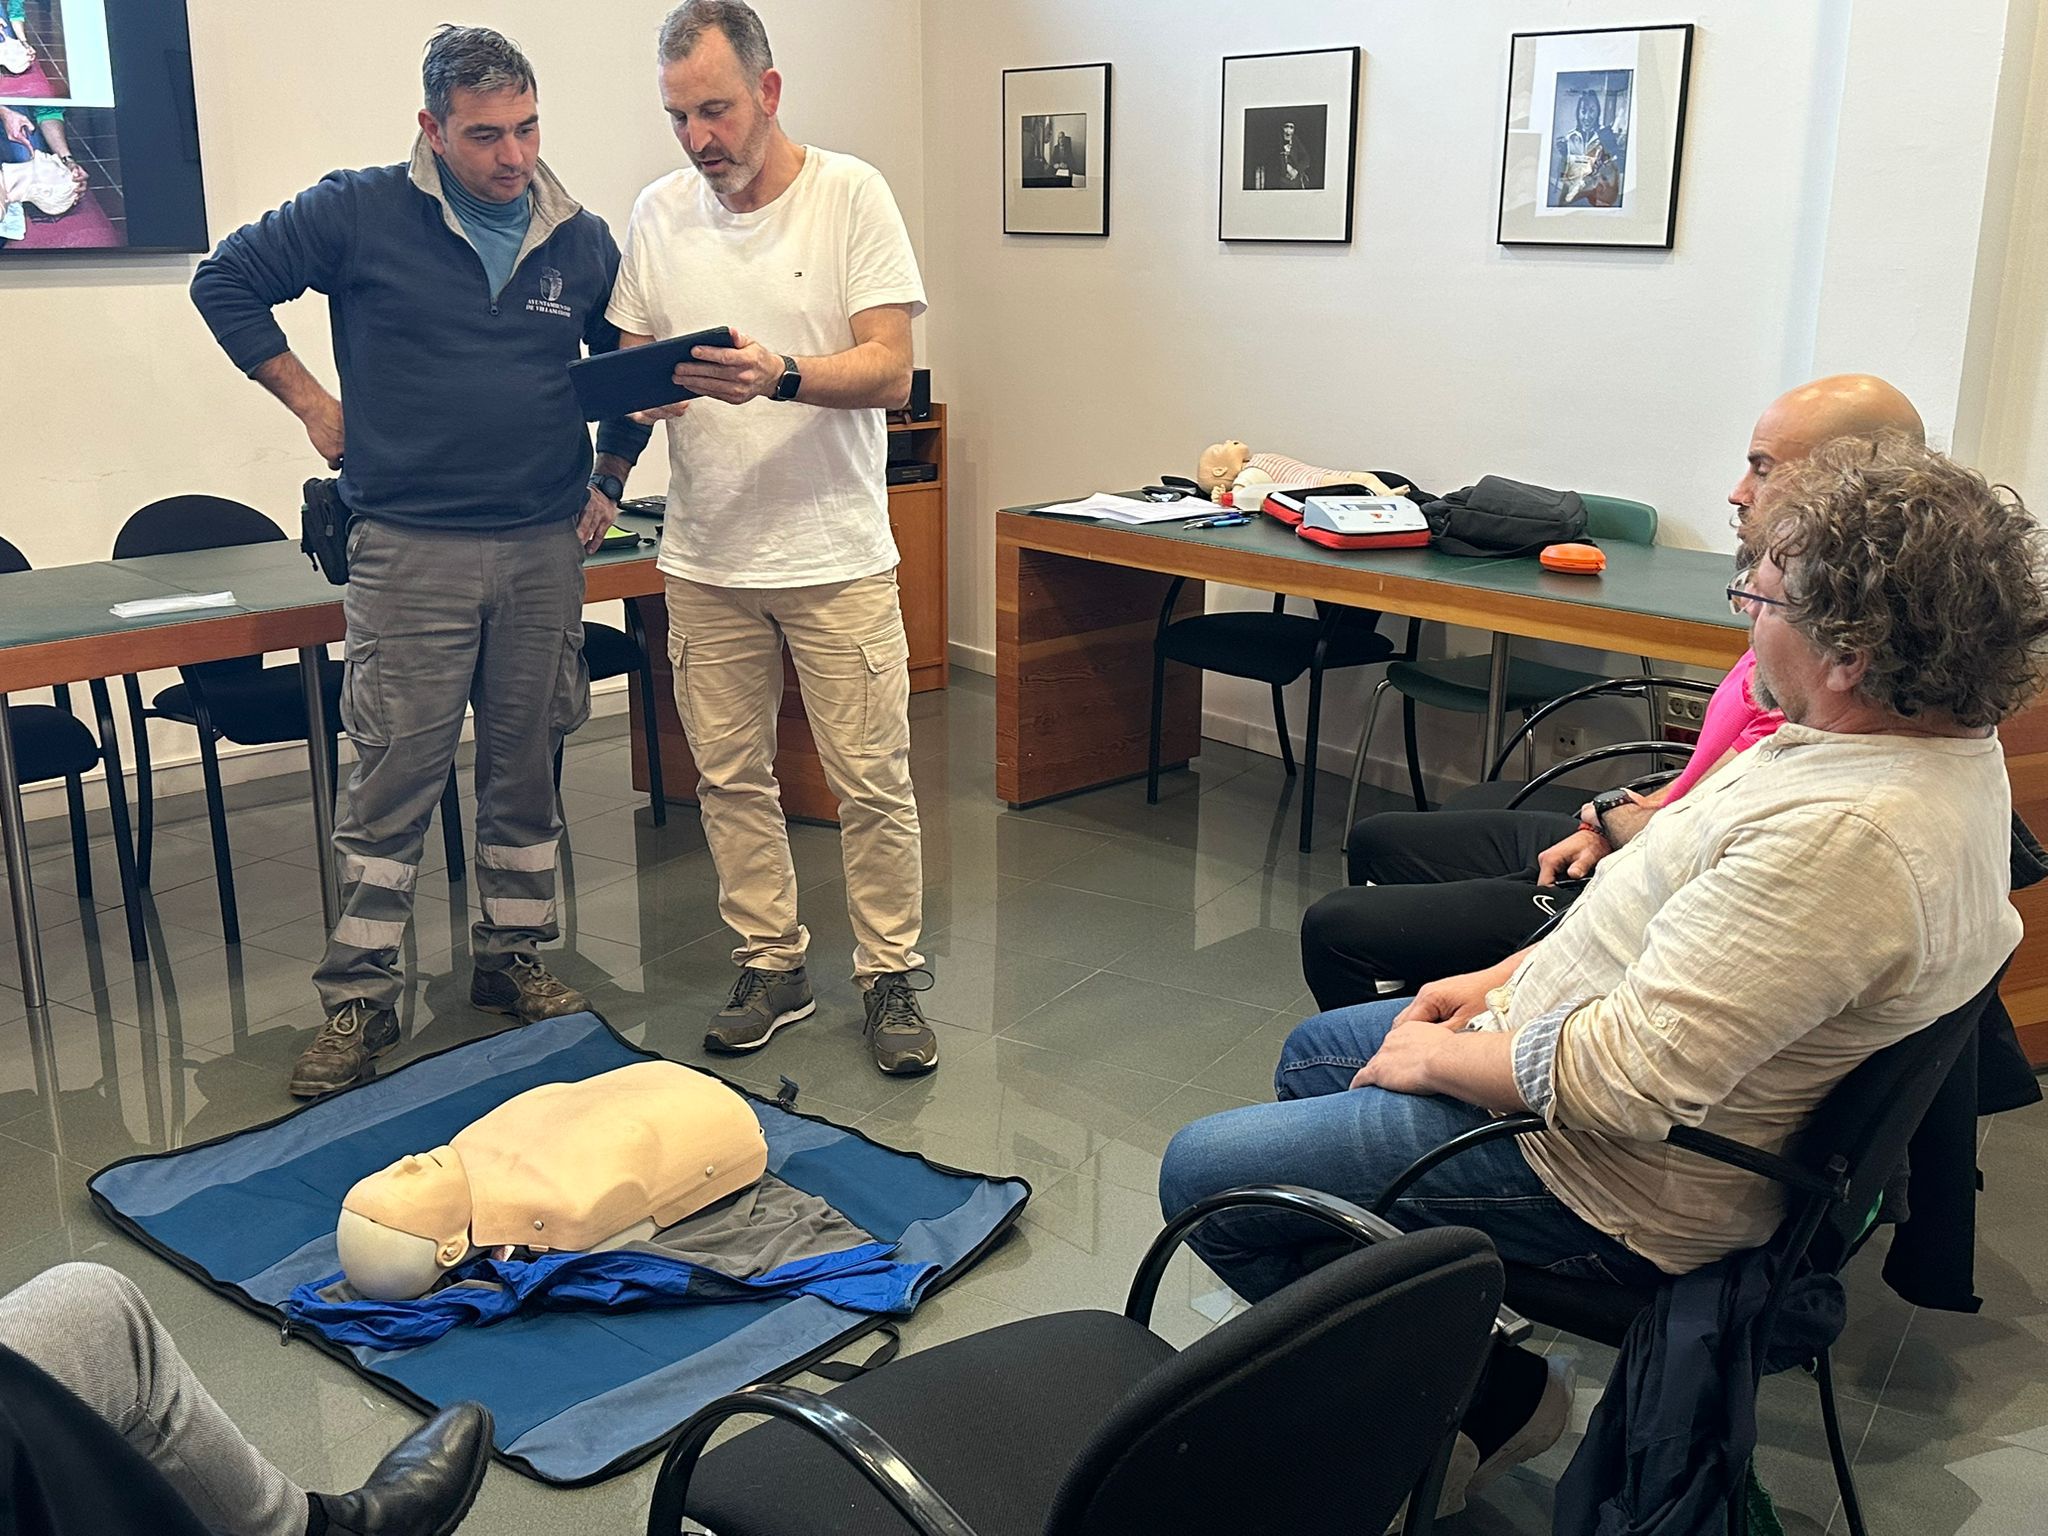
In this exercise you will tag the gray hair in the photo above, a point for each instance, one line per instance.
(684, 25)
(1902, 556)
(471, 59)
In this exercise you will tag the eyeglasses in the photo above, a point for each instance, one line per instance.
(1747, 603)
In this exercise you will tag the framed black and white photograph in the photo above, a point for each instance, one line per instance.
(1595, 131)
(1056, 150)
(1290, 125)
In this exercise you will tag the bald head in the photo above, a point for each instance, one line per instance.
(1800, 420)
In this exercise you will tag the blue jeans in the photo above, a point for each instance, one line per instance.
(1324, 1135)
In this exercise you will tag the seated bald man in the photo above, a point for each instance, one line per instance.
(1438, 893)
(1897, 613)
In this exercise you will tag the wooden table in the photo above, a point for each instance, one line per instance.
(1077, 604)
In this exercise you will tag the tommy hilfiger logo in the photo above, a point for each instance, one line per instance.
(550, 300)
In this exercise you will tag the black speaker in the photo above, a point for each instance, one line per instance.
(920, 394)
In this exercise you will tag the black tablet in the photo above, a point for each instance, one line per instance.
(614, 384)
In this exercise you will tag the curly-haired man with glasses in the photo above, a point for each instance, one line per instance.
(1899, 611)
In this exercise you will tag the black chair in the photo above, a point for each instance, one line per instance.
(1833, 1173)
(1317, 1411)
(610, 652)
(239, 699)
(1494, 793)
(1272, 648)
(50, 742)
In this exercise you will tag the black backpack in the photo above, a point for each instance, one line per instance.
(1500, 517)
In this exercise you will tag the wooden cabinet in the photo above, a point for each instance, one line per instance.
(917, 517)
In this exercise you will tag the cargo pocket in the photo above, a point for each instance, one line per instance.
(572, 685)
(885, 705)
(362, 694)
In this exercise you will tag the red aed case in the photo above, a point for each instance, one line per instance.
(1330, 540)
(1335, 520)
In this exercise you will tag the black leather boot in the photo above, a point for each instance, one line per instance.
(425, 1485)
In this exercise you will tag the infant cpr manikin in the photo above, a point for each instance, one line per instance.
(580, 1166)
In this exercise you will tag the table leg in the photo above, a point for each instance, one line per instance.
(14, 831)
(1074, 675)
(318, 732)
(1496, 700)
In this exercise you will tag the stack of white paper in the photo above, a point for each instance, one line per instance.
(1103, 507)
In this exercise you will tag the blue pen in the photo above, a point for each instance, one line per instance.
(1227, 520)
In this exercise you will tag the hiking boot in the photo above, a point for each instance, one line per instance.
(355, 1034)
(898, 1037)
(424, 1485)
(526, 990)
(762, 1002)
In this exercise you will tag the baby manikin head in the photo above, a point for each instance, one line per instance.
(42, 180)
(403, 1227)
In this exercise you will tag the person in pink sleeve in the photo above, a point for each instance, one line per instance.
(1443, 893)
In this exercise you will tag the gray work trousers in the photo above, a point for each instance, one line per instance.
(90, 1328)
(437, 622)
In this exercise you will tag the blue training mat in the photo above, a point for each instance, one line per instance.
(578, 1396)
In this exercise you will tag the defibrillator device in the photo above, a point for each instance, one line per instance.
(1337, 521)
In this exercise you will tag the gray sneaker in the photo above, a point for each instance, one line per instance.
(355, 1035)
(898, 1037)
(526, 990)
(762, 1002)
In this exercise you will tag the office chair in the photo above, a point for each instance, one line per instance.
(1316, 1412)
(1459, 683)
(1833, 1172)
(1273, 648)
(50, 742)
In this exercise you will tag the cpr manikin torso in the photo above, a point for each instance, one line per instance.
(567, 1166)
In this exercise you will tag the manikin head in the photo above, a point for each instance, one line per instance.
(402, 1227)
(482, 115)
(1220, 463)
(721, 90)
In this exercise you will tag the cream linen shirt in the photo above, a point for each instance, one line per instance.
(1821, 897)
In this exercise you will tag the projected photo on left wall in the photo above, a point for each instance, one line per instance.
(82, 81)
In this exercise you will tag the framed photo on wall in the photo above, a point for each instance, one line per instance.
(1595, 130)
(1056, 150)
(1289, 146)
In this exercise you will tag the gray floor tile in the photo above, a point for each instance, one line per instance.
(268, 894)
(1055, 923)
(1131, 1158)
(1144, 1025)
(1223, 948)
(1158, 874)
(980, 986)
(1956, 1484)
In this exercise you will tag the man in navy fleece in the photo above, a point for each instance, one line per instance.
(459, 288)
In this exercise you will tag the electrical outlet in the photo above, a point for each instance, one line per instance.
(1564, 741)
(1683, 712)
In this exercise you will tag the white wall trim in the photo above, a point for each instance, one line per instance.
(972, 658)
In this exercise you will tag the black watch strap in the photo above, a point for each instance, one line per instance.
(791, 381)
(613, 487)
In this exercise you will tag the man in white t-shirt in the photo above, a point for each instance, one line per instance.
(778, 525)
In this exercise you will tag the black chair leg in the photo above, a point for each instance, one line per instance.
(1308, 755)
(117, 812)
(1280, 726)
(145, 796)
(1414, 753)
(1158, 726)
(217, 819)
(1852, 1508)
(451, 828)
(81, 843)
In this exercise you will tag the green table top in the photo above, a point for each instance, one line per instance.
(1656, 580)
(74, 602)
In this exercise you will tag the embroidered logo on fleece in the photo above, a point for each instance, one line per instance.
(550, 300)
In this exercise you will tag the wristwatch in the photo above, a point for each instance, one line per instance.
(613, 488)
(1605, 801)
(791, 381)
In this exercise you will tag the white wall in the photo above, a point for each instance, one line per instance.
(1423, 346)
(132, 396)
